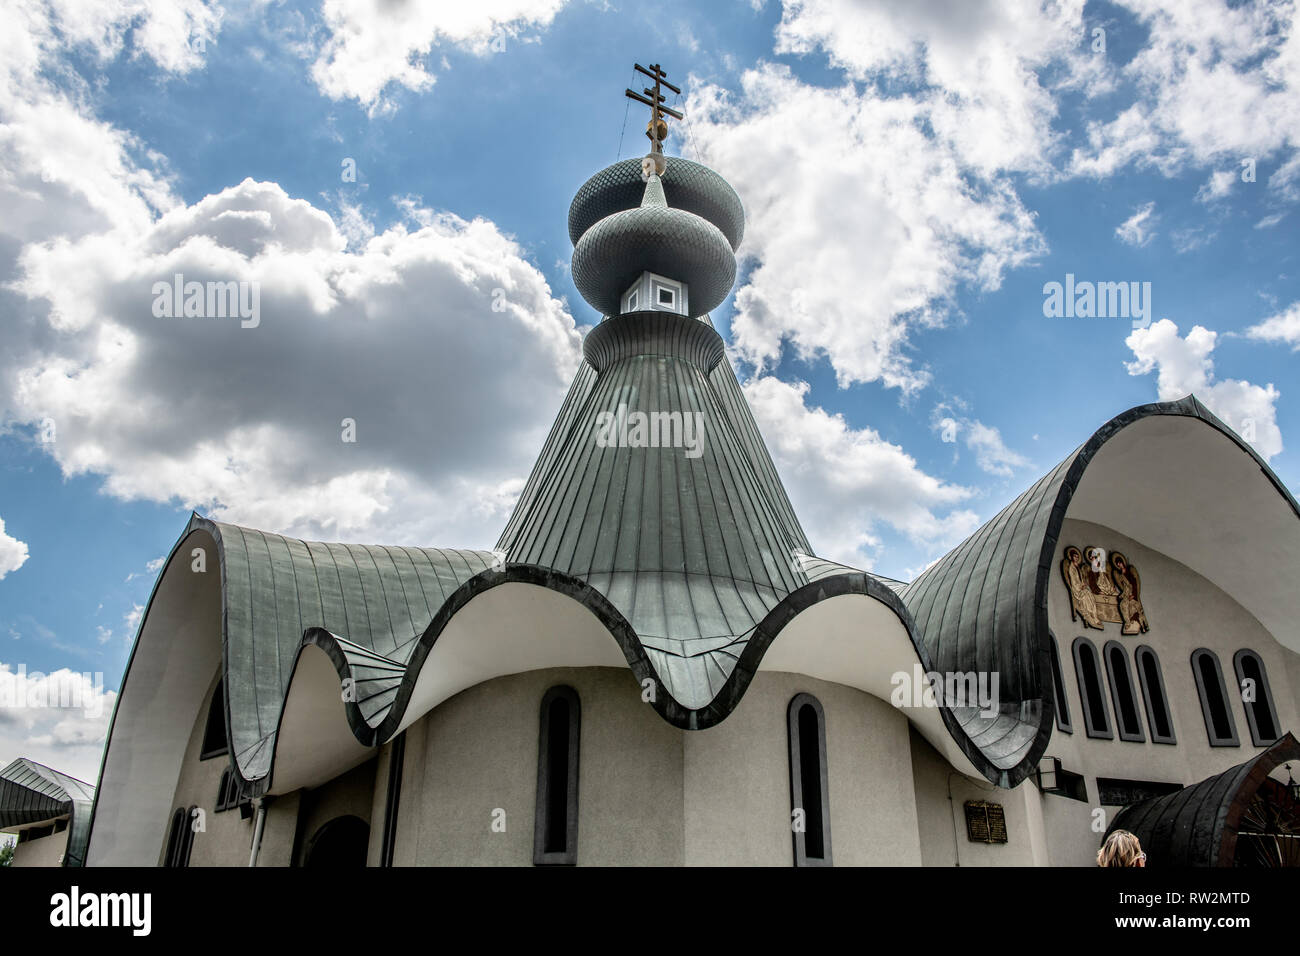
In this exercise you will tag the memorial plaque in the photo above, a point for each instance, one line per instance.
(985, 822)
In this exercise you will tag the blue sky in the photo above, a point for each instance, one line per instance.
(913, 174)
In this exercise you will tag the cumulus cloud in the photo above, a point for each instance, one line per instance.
(13, 553)
(1139, 228)
(1184, 364)
(437, 340)
(59, 719)
(1283, 328)
(1216, 85)
(374, 44)
(861, 224)
(846, 483)
(980, 62)
(436, 336)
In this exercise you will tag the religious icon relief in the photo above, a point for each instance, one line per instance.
(1104, 589)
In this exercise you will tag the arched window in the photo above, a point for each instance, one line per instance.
(1122, 694)
(1087, 668)
(1058, 688)
(214, 731)
(555, 826)
(180, 838)
(1219, 725)
(1261, 715)
(1152, 679)
(810, 805)
(340, 843)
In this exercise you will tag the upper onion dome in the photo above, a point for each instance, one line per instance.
(617, 249)
(687, 186)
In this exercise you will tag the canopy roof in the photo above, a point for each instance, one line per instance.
(1199, 825)
(32, 794)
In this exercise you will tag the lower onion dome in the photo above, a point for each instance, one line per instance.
(670, 242)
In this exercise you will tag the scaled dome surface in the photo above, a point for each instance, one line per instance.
(687, 186)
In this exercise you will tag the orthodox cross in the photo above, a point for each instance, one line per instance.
(657, 129)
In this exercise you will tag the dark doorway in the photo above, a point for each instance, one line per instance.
(341, 842)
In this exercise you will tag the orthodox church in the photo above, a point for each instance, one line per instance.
(654, 666)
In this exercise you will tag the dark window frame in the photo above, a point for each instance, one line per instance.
(1118, 696)
(216, 711)
(1059, 693)
(1215, 738)
(1263, 695)
(549, 764)
(1102, 731)
(1147, 652)
(796, 733)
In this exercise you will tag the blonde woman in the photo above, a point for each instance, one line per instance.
(1121, 849)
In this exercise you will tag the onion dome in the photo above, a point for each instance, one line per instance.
(653, 237)
(686, 185)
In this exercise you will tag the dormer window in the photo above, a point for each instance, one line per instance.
(655, 293)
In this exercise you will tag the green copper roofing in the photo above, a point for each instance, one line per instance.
(374, 602)
(32, 793)
(692, 546)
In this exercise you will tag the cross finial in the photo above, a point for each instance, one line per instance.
(657, 129)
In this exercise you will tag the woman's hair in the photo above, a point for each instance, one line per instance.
(1120, 849)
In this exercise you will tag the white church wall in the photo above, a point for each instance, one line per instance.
(737, 779)
(479, 755)
(1185, 611)
(349, 794)
(941, 794)
(43, 851)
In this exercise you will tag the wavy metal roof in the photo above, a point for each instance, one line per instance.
(32, 793)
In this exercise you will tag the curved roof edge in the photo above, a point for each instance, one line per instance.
(985, 603)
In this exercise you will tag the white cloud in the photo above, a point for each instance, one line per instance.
(979, 62)
(1184, 365)
(991, 453)
(437, 338)
(1217, 186)
(845, 482)
(1216, 85)
(13, 553)
(861, 225)
(1283, 328)
(1139, 228)
(59, 719)
(372, 44)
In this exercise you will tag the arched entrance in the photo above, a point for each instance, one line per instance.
(341, 842)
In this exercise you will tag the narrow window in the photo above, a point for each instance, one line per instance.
(1088, 670)
(555, 829)
(180, 838)
(810, 808)
(1058, 688)
(1261, 715)
(1153, 692)
(1219, 725)
(214, 732)
(1122, 694)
